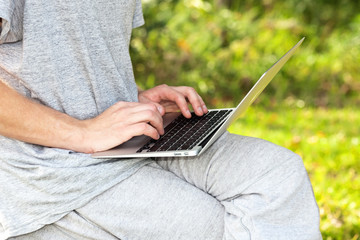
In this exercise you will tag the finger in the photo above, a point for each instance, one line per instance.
(147, 115)
(160, 108)
(144, 99)
(142, 128)
(170, 106)
(195, 100)
(170, 94)
(139, 112)
(147, 106)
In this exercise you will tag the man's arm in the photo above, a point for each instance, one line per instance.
(25, 120)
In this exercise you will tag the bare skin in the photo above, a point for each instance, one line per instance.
(172, 99)
(28, 121)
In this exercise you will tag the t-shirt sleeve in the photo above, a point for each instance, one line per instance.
(11, 13)
(138, 19)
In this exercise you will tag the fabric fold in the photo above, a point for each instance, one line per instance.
(12, 13)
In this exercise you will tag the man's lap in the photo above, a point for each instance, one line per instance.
(190, 198)
(151, 204)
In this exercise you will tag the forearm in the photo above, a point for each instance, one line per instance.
(28, 121)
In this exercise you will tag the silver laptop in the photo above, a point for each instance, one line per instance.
(191, 137)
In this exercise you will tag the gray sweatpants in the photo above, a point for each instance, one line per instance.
(241, 188)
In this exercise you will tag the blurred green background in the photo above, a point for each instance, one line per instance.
(221, 47)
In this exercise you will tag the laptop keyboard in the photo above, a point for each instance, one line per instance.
(184, 133)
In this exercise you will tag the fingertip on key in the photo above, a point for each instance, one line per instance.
(188, 114)
(205, 110)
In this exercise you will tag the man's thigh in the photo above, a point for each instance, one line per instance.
(264, 188)
(233, 164)
(156, 204)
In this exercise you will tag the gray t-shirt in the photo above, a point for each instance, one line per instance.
(72, 56)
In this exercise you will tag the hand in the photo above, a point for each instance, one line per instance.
(120, 123)
(171, 99)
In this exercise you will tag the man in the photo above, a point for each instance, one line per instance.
(67, 90)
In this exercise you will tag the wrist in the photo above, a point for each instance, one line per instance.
(71, 133)
(80, 141)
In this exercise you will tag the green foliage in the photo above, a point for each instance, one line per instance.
(221, 47)
(222, 52)
(329, 142)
